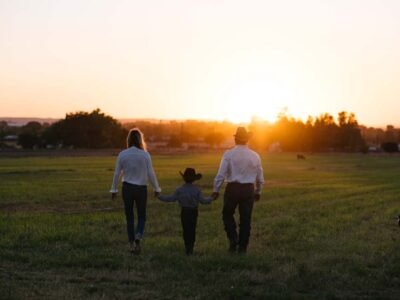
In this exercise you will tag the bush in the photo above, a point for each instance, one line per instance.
(390, 147)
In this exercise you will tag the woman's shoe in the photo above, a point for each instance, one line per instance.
(137, 247)
(131, 247)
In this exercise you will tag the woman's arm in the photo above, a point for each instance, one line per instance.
(117, 175)
(151, 175)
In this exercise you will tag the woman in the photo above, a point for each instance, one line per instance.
(135, 165)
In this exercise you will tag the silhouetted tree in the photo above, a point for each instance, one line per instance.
(390, 134)
(30, 135)
(87, 130)
(349, 134)
(390, 147)
(261, 131)
(190, 131)
(372, 136)
(174, 141)
(3, 128)
(214, 138)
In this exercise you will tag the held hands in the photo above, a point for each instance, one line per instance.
(257, 197)
(156, 194)
(214, 195)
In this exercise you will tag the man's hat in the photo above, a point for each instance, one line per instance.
(190, 175)
(242, 134)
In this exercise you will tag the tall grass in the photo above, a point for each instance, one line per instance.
(324, 228)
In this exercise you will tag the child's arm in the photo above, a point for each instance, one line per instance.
(168, 198)
(204, 200)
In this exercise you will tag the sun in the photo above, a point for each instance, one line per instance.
(256, 98)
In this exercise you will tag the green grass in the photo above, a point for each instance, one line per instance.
(325, 228)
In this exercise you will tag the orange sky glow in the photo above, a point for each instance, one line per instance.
(219, 60)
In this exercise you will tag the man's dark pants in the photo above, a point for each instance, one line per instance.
(189, 222)
(242, 195)
(133, 194)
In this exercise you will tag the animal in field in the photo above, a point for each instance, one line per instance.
(301, 156)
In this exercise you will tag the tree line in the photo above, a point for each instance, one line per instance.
(95, 129)
(322, 133)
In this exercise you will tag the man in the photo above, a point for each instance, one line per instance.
(241, 168)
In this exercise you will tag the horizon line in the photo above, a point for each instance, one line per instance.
(126, 120)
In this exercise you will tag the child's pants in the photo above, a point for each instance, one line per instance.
(189, 222)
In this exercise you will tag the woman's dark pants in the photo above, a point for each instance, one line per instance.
(242, 195)
(134, 195)
(189, 222)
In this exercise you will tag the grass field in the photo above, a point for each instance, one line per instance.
(325, 228)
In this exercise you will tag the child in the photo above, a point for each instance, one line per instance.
(188, 196)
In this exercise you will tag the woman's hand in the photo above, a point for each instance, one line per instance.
(156, 194)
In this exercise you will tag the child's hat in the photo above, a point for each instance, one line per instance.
(190, 175)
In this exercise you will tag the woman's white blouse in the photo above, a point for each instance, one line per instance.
(136, 167)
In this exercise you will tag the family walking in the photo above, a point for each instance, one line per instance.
(240, 168)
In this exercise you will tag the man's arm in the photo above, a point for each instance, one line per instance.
(204, 200)
(221, 175)
(259, 180)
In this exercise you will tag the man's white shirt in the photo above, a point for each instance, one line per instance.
(240, 164)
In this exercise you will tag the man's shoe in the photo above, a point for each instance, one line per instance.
(242, 250)
(232, 246)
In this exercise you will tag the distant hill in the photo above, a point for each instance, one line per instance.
(12, 121)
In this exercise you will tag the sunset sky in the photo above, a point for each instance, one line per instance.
(206, 59)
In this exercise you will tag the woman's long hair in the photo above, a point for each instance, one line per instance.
(136, 138)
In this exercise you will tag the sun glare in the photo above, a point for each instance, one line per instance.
(257, 98)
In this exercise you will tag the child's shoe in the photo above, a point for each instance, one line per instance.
(137, 248)
(189, 251)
